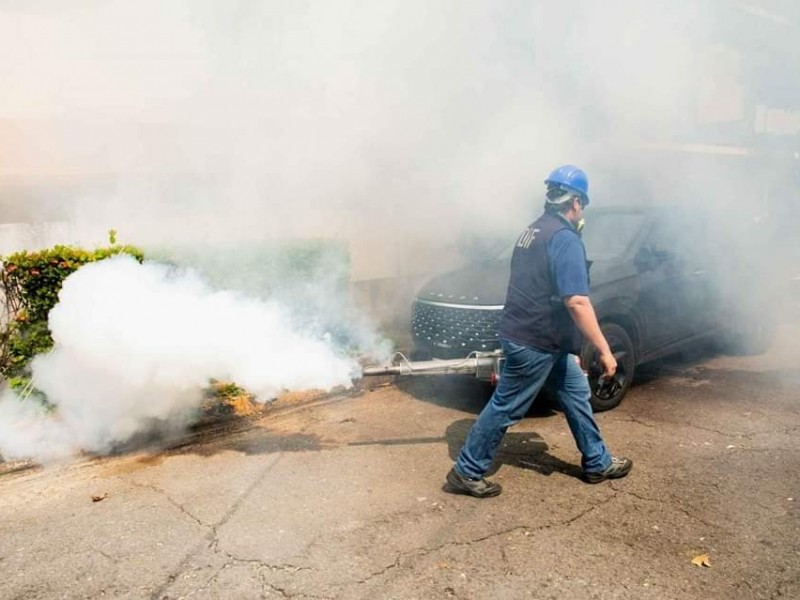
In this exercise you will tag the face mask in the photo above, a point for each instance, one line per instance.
(580, 225)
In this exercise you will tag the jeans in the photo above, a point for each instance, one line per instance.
(525, 371)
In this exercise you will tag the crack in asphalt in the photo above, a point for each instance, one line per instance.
(274, 588)
(171, 500)
(260, 566)
(635, 419)
(741, 435)
(779, 449)
(424, 551)
(266, 585)
(677, 506)
(420, 552)
(712, 430)
(281, 567)
(263, 569)
(711, 484)
(105, 555)
(782, 586)
(783, 431)
(413, 513)
(211, 539)
(380, 572)
(211, 580)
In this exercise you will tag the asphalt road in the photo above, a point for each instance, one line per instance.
(340, 497)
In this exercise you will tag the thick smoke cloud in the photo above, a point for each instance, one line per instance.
(347, 119)
(402, 128)
(135, 345)
(274, 119)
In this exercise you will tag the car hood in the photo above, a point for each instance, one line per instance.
(482, 284)
(485, 284)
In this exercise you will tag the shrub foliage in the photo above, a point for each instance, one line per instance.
(30, 283)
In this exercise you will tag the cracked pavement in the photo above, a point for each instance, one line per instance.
(341, 498)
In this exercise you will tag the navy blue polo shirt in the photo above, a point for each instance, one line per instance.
(568, 264)
(548, 264)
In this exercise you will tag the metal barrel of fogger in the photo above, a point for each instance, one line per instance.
(481, 365)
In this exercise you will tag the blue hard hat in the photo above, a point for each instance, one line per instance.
(570, 178)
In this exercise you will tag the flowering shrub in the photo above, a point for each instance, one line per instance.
(29, 284)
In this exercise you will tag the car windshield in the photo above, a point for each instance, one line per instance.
(607, 235)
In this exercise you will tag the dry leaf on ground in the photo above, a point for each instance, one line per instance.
(703, 560)
(98, 498)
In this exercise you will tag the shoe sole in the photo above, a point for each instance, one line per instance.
(451, 489)
(455, 488)
(598, 478)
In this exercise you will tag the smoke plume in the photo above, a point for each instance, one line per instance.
(135, 345)
(399, 129)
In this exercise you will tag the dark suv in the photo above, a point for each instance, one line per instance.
(662, 280)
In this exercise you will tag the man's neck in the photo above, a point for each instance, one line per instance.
(563, 217)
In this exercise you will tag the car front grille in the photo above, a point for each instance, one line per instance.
(452, 331)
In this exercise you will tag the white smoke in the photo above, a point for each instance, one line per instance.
(136, 344)
(394, 127)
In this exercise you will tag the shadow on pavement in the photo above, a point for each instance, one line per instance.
(237, 434)
(524, 449)
(464, 393)
(454, 391)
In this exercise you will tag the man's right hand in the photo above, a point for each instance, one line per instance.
(582, 312)
(609, 365)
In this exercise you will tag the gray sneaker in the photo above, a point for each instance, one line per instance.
(619, 467)
(479, 488)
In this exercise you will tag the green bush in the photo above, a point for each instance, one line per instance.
(30, 283)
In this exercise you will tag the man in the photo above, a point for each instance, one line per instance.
(547, 308)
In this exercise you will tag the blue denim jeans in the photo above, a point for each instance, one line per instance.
(526, 371)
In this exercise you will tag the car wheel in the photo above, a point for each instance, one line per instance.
(606, 396)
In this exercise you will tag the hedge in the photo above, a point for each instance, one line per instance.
(30, 283)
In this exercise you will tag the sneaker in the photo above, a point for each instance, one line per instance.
(619, 467)
(479, 488)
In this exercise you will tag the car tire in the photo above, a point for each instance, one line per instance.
(622, 347)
